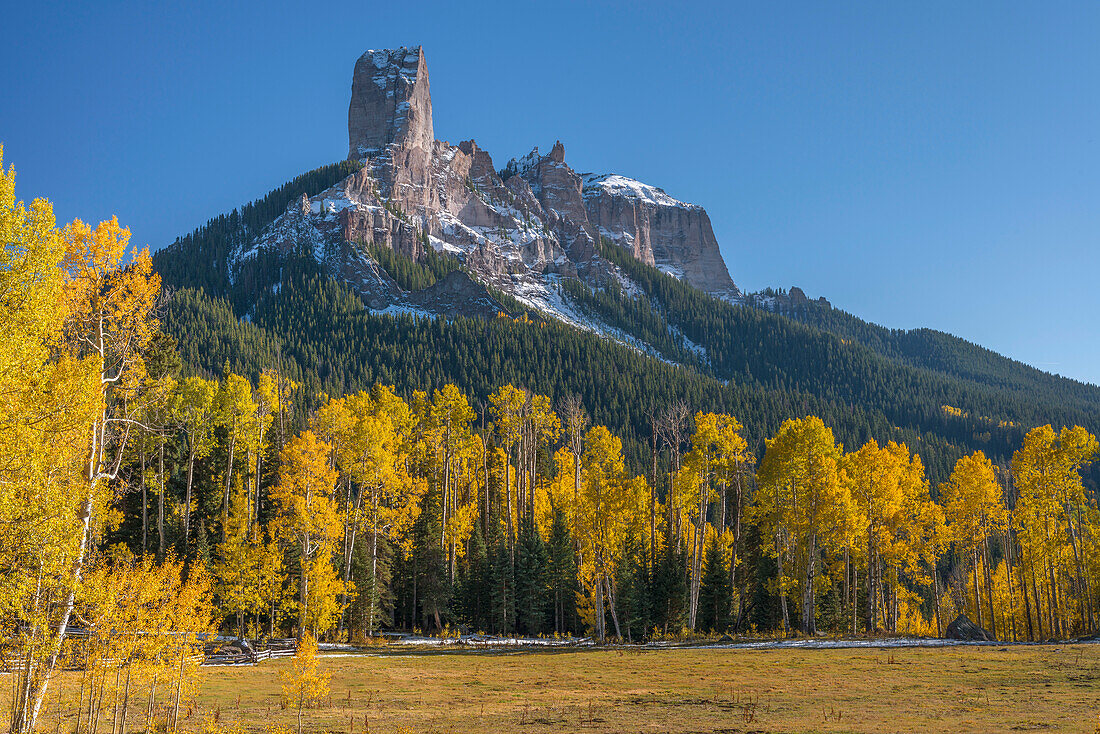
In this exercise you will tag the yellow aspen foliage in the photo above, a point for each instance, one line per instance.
(333, 423)
(67, 420)
(304, 685)
(610, 505)
(802, 505)
(1056, 524)
(543, 430)
(268, 405)
(506, 405)
(324, 592)
(237, 564)
(973, 505)
(39, 435)
(192, 409)
(712, 466)
(450, 444)
(275, 595)
(370, 435)
(235, 412)
(307, 515)
(888, 526)
(144, 623)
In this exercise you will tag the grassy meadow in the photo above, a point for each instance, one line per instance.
(960, 689)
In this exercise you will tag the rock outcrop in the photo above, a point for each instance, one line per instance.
(457, 295)
(390, 102)
(515, 229)
(961, 628)
(675, 236)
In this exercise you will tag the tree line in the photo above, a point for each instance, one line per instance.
(515, 515)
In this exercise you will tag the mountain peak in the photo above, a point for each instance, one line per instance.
(391, 102)
(557, 153)
(519, 230)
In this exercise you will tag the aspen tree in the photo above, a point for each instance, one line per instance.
(109, 309)
(268, 405)
(304, 685)
(801, 504)
(610, 504)
(193, 408)
(972, 504)
(673, 428)
(237, 563)
(450, 436)
(1052, 512)
(887, 488)
(378, 465)
(307, 514)
(271, 584)
(47, 407)
(235, 411)
(156, 424)
(712, 466)
(334, 424)
(507, 407)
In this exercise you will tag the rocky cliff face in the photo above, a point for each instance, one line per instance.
(659, 230)
(390, 102)
(518, 230)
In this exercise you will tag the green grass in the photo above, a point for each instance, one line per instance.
(969, 689)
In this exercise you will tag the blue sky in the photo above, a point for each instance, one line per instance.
(919, 164)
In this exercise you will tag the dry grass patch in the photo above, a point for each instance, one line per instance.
(962, 689)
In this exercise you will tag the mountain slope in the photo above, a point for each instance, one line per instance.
(766, 366)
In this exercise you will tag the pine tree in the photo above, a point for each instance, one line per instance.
(562, 566)
(502, 598)
(669, 596)
(633, 588)
(472, 590)
(714, 593)
(433, 591)
(532, 580)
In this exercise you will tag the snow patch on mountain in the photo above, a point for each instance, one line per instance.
(630, 188)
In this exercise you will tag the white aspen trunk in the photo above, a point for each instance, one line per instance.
(350, 550)
(445, 500)
(989, 587)
(179, 686)
(187, 495)
(611, 603)
(936, 598)
(809, 623)
(144, 506)
(150, 705)
(508, 508)
(256, 484)
(977, 596)
(303, 584)
(373, 566)
(67, 608)
(160, 502)
(872, 621)
(228, 478)
(247, 487)
(782, 592)
(1082, 583)
(598, 588)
